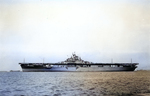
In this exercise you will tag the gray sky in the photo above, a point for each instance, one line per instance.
(97, 30)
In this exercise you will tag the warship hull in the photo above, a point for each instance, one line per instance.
(77, 68)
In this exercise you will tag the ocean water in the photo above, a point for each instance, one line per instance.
(74, 83)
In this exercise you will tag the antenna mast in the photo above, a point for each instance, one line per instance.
(43, 60)
(24, 60)
(111, 60)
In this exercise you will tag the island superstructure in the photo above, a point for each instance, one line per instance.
(75, 63)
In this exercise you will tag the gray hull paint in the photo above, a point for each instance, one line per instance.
(76, 64)
(81, 69)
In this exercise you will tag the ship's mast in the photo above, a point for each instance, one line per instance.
(111, 60)
(43, 60)
(24, 60)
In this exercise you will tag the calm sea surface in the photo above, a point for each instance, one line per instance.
(73, 83)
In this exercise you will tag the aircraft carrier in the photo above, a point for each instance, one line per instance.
(76, 64)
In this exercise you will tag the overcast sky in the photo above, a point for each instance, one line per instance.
(97, 30)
